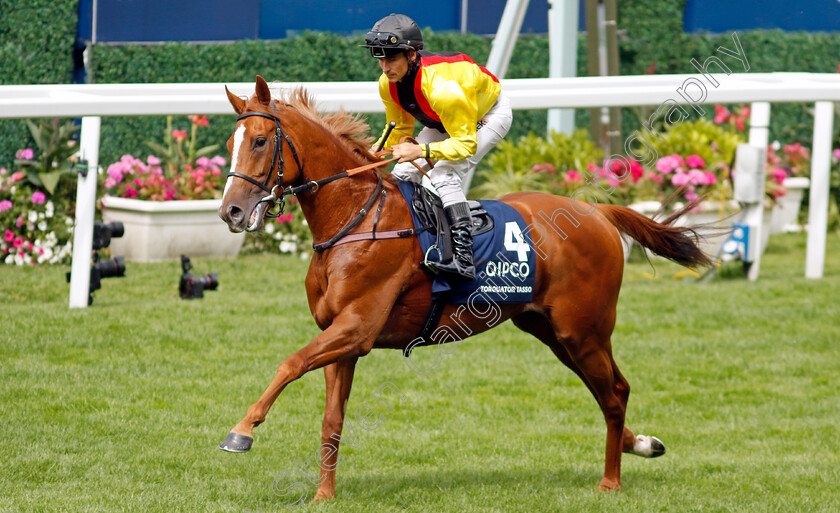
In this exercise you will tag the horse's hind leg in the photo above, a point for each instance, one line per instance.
(604, 381)
(538, 325)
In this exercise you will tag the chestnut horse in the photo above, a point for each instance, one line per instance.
(375, 293)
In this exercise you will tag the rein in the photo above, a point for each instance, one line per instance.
(278, 162)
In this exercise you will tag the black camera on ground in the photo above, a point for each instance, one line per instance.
(110, 268)
(193, 287)
(104, 232)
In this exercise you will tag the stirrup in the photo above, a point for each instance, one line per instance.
(430, 264)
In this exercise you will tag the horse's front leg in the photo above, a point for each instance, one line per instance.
(339, 380)
(351, 335)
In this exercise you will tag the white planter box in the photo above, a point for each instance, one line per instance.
(786, 210)
(156, 231)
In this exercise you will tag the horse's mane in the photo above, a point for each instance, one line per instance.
(348, 128)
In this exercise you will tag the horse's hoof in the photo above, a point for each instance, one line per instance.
(609, 486)
(648, 446)
(236, 443)
(322, 496)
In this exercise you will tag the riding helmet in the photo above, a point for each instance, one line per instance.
(393, 35)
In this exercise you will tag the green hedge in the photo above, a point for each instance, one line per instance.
(312, 56)
(36, 47)
(34, 51)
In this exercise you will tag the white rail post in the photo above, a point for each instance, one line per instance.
(759, 134)
(85, 209)
(562, 57)
(502, 47)
(818, 205)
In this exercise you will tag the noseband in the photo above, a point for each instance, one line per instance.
(277, 161)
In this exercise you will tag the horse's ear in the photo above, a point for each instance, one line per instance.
(237, 102)
(263, 93)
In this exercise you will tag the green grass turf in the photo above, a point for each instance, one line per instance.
(120, 407)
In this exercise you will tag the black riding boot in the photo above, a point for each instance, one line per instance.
(461, 263)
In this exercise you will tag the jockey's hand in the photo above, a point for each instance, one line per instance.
(407, 151)
(374, 149)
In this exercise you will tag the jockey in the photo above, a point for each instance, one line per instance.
(463, 113)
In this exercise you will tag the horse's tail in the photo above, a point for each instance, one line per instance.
(672, 242)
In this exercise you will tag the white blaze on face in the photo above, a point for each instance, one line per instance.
(238, 137)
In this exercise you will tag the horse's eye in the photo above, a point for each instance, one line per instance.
(260, 142)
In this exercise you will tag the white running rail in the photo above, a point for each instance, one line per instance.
(694, 93)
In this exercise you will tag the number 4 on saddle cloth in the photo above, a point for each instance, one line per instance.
(505, 262)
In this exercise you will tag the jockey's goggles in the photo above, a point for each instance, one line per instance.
(382, 39)
(384, 44)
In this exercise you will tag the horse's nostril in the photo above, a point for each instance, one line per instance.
(235, 213)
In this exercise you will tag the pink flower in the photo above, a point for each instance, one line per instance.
(772, 158)
(129, 160)
(618, 169)
(691, 196)
(697, 177)
(573, 176)
(739, 123)
(679, 179)
(17, 175)
(199, 120)
(709, 178)
(544, 168)
(5, 205)
(26, 154)
(667, 164)
(10, 236)
(778, 175)
(18, 242)
(179, 135)
(154, 161)
(695, 162)
(115, 171)
(38, 198)
(796, 151)
(721, 114)
(656, 177)
(636, 171)
(837, 153)
(19, 222)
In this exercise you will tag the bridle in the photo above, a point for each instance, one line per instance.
(278, 162)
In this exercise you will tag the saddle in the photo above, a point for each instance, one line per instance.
(504, 264)
(429, 210)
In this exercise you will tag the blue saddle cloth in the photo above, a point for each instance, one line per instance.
(505, 262)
